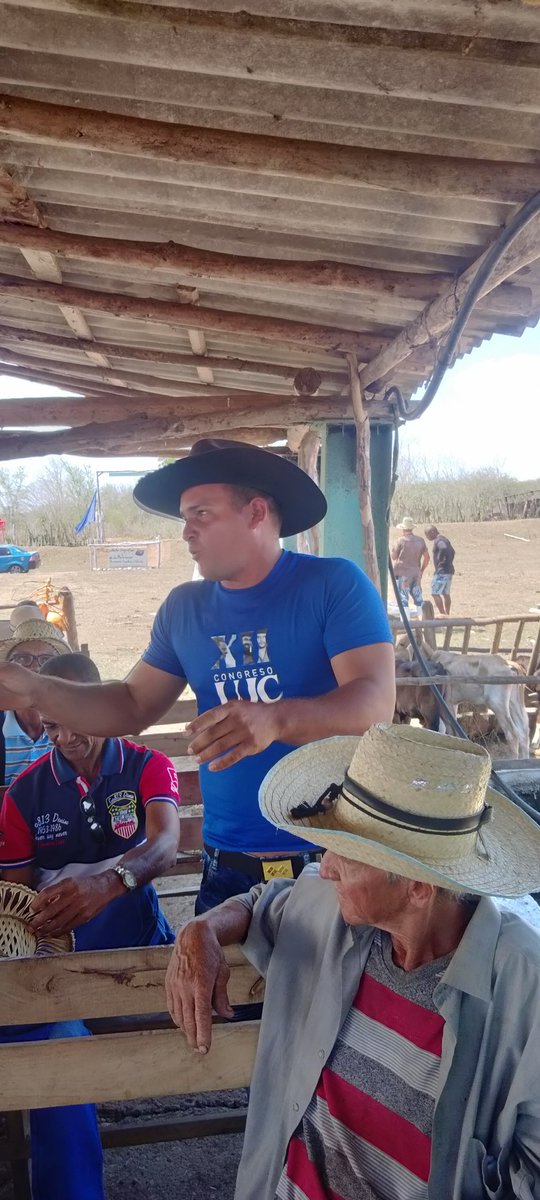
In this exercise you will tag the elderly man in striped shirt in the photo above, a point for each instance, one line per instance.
(398, 1053)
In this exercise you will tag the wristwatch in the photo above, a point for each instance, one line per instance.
(127, 877)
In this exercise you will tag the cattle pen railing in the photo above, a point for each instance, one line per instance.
(448, 680)
(512, 635)
(135, 1052)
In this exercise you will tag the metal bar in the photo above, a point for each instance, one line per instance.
(424, 681)
(174, 1128)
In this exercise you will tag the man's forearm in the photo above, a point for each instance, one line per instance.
(349, 709)
(229, 923)
(105, 710)
(152, 858)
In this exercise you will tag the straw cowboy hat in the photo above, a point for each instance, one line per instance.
(407, 523)
(301, 502)
(409, 801)
(35, 630)
(25, 610)
(17, 938)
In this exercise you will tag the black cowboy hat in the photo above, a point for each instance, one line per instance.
(301, 503)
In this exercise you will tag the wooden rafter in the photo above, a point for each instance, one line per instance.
(82, 372)
(54, 410)
(208, 264)
(16, 335)
(142, 431)
(437, 317)
(510, 182)
(15, 203)
(267, 329)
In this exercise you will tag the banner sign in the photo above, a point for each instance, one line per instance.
(120, 557)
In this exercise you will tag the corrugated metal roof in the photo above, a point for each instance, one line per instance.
(397, 136)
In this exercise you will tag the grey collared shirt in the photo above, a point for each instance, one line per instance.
(486, 1125)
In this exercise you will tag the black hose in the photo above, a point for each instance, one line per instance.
(411, 412)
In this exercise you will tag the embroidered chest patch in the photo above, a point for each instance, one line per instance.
(122, 807)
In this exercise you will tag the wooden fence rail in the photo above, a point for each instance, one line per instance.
(524, 628)
(424, 680)
(118, 1065)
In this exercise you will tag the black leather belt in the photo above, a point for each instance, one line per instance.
(262, 869)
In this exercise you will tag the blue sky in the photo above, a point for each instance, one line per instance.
(486, 413)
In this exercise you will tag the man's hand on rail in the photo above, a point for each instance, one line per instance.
(196, 983)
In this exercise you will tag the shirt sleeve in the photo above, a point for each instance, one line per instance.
(267, 903)
(355, 614)
(17, 848)
(159, 781)
(160, 651)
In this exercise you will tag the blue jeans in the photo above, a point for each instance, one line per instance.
(67, 1159)
(412, 587)
(220, 883)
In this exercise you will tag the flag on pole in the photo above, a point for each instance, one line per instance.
(89, 516)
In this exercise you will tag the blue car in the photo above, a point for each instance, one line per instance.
(13, 559)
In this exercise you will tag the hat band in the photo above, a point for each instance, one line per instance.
(417, 822)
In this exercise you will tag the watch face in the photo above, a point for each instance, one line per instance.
(127, 877)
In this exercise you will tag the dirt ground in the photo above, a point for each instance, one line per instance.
(497, 574)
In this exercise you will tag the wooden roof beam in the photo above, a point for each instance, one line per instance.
(42, 261)
(16, 335)
(167, 312)
(82, 372)
(85, 385)
(109, 436)
(433, 176)
(438, 316)
(55, 410)
(209, 264)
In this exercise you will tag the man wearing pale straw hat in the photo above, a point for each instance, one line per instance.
(33, 643)
(398, 1054)
(410, 557)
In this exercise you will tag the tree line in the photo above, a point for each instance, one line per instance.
(445, 494)
(45, 511)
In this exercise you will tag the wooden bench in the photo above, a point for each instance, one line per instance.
(135, 1053)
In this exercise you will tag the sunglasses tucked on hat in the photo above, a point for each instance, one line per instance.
(17, 938)
(409, 801)
(35, 630)
(300, 501)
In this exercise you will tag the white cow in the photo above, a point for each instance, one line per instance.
(506, 701)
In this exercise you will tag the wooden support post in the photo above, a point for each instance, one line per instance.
(308, 542)
(535, 655)
(363, 471)
(67, 606)
(496, 640)
(16, 1123)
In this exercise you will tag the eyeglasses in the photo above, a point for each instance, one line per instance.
(25, 659)
(89, 809)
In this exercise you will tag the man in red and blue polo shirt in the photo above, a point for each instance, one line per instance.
(89, 826)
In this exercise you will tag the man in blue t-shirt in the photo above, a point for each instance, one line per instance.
(280, 649)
